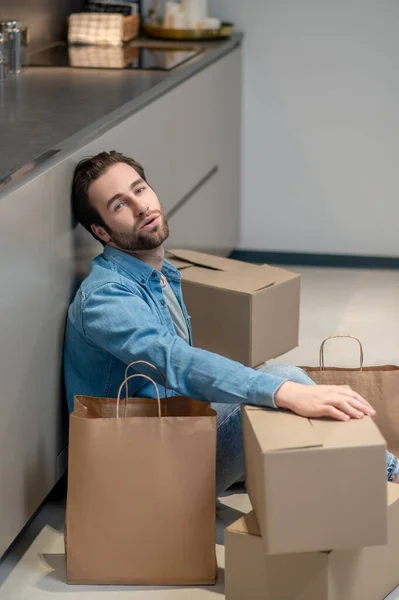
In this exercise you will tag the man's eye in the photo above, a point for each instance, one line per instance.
(139, 190)
(119, 205)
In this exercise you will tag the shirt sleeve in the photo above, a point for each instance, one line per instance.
(121, 323)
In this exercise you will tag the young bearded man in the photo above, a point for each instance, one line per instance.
(130, 307)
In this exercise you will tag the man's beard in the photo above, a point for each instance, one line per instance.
(138, 239)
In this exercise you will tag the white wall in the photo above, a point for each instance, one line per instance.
(321, 124)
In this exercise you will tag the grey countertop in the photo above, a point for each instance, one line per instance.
(48, 108)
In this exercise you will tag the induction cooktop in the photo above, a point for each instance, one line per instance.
(130, 56)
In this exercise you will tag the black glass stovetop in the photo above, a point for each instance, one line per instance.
(130, 56)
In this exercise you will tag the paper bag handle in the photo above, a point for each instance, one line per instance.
(340, 335)
(125, 382)
(144, 362)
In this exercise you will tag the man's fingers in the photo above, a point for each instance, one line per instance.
(345, 406)
(355, 396)
(334, 413)
(359, 406)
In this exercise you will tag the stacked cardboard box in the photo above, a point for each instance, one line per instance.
(369, 573)
(325, 522)
(325, 526)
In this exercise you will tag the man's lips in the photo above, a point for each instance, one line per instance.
(150, 221)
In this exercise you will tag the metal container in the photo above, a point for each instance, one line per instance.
(13, 29)
(3, 55)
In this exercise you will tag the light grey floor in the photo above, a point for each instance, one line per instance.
(360, 303)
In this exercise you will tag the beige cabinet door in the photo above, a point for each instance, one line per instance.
(34, 296)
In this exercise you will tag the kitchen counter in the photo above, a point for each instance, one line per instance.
(63, 108)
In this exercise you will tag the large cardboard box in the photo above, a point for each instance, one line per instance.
(249, 313)
(358, 574)
(315, 484)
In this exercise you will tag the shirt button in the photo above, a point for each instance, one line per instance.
(154, 274)
(163, 302)
(142, 280)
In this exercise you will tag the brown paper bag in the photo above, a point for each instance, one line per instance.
(378, 385)
(141, 491)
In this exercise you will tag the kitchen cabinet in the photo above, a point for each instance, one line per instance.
(33, 300)
(188, 141)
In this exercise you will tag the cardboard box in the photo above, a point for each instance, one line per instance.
(249, 313)
(315, 484)
(358, 574)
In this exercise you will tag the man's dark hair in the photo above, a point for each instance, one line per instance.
(87, 171)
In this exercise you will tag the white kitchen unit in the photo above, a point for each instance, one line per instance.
(188, 139)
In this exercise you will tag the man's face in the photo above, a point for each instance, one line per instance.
(134, 216)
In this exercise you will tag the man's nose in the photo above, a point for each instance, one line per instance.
(139, 208)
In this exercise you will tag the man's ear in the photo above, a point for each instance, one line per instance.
(101, 233)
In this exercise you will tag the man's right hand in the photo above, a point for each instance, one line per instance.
(322, 401)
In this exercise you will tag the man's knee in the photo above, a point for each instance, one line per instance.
(295, 374)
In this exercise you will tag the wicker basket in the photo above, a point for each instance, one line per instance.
(81, 31)
(131, 28)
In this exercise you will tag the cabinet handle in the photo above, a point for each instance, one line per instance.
(193, 191)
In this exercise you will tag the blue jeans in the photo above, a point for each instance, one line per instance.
(230, 456)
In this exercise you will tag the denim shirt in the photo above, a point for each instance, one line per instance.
(119, 315)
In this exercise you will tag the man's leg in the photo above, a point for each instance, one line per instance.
(392, 468)
(229, 452)
(230, 456)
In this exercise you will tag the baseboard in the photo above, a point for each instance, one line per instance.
(316, 260)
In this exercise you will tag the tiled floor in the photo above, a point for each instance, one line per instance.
(361, 303)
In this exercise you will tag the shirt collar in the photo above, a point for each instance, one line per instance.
(136, 268)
